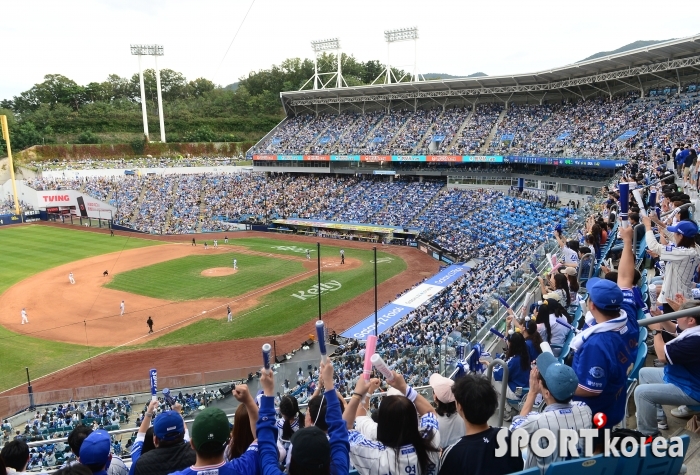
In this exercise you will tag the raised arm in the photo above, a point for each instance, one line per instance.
(242, 395)
(625, 270)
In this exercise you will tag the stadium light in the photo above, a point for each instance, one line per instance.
(394, 36)
(401, 34)
(155, 51)
(325, 45)
(320, 46)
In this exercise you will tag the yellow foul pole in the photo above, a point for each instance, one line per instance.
(6, 136)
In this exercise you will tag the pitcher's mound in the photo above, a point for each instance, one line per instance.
(218, 271)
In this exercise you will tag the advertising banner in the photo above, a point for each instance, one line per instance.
(85, 205)
(575, 161)
(6, 219)
(391, 313)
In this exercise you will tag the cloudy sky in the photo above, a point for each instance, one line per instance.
(88, 39)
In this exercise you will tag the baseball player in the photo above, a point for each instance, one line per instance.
(71, 279)
(205, 245)
(225, 239)
(308, 255)
(111, 232)
(194, 243)
(235, 264)
(121, 309)
(149, 322)
(342, 256)
(24, 317)
(229, 316)
(216, 243)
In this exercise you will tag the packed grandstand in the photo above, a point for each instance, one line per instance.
(505, 231)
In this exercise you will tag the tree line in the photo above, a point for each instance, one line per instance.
(195, 111)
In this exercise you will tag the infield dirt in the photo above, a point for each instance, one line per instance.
(49, 293)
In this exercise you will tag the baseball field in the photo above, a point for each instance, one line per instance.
(185, 289)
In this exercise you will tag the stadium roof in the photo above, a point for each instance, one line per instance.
(666, 56)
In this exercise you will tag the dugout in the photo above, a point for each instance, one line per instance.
(348, 231)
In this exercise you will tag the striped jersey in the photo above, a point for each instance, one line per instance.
(371, 457)
(575, 415)
(681, 264)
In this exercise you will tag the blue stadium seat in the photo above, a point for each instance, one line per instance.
(597, 465)
(651, 465)
(565, 348)
(632, 380)
(528, 471)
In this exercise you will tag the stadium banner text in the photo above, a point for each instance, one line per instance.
(570, 162)
(390, 314)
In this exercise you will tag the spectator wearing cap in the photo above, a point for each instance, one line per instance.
(312, 451)
(677, 383)
(171, 453)
(450, 424)
(210, 436)
(682, 258)
(75, 441)
(602, 357)
(557, 384)
(95, 452)
(15, 454)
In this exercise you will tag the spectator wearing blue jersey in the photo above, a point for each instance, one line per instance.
(677, 383)
(312, 452)
(518, 361)
(210, 436)
(601, 356)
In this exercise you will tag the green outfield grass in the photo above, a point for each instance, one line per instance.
(279, 311)
(180, 279)
(27, 250)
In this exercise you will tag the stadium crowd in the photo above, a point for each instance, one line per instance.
(624, 126)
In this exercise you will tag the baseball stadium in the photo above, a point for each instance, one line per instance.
(520, 252)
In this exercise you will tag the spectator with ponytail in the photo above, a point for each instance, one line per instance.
(292, 419)
(549, 328)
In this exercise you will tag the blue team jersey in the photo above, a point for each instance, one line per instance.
(683, 356)
(631, 336)
(601, 365)
(246, 464)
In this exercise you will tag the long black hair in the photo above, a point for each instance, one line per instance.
(562, 283)
(289, 408)
(517, 347)
(548, 307)
(397, 425)
(533, 335)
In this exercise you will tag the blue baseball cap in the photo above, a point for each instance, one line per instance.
(168, 426)
(604, 294)
(95, 448)
(561, 380)
(686, 228)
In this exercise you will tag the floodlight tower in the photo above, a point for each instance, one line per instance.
(394, 36)
(155, 51)
(319, 47)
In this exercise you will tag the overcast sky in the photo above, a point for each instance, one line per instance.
(88, 39)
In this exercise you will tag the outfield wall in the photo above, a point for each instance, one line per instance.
(120, 172)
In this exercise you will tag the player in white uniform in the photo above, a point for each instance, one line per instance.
(24, 317)
(557, 384)
(308, 255)
(71, 279)
(235, 264)
(216, 243)
(121, 308)
(228, 313)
